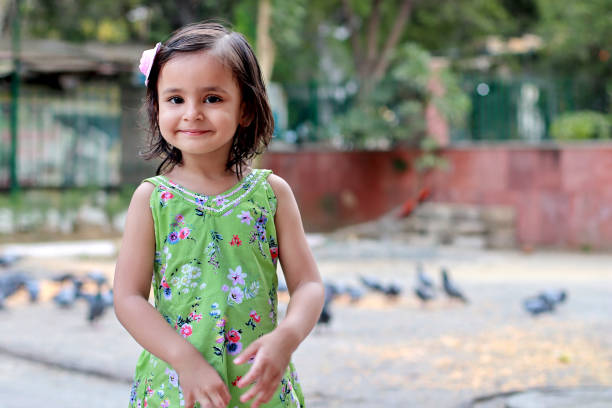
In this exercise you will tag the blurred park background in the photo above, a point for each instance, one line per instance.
(499, 105)
(470, 134)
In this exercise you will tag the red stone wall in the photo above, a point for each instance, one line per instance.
(340, 188)
(562, 195)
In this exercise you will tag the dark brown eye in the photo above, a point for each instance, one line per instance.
(212, 99)
(175, 100)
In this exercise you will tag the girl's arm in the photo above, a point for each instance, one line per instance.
(132, 285)
(273, 351)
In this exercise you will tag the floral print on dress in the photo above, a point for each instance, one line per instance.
(273, 250)
(259, 235)
(164, 195)
(240, 289)
(245, 217)
(213, 250)
(185, 325)
(254, 318)
(187, 278)
(214, 280)
(235, 241)
(180, 231)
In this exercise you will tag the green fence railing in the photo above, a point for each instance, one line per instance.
(522, 109)
(71, 138)
(65, 138)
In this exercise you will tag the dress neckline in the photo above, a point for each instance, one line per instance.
(225, 193)
(220, 203)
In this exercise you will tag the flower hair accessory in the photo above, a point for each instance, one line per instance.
(146, 61)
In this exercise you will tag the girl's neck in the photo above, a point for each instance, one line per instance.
(203, 176)
(210, 167)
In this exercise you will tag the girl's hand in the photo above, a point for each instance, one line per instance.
(272, 353)
(201, 383)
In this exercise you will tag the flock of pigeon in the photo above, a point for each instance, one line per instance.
(425, 290)
(70, 288)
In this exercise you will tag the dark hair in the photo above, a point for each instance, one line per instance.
(234, 51)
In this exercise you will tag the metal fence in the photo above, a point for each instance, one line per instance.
(502, 109)
(72, 138)
(522, 109)
(65, 138)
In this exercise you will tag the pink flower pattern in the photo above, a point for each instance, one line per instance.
(240, 311)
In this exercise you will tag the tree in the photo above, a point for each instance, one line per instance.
(371, 60)
(118, 21)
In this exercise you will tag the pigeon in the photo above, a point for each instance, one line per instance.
(64, 277)
(97, 306)
(107, 297)
(10, 284)
(9, 259)
(545, 301)
(450, 288)
(330, 293)
(424, 289)
(69, 293)
(98, 277)
(391, 290)
(371, 283)
(554, 296)
(538, 305)
(354, 293)
(424, 293)
(33, 288)
(422, 278)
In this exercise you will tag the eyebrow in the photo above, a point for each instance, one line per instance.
(202, 89)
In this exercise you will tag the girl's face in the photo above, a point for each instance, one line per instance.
(199, 105)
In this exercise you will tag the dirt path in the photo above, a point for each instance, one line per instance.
(378, 351)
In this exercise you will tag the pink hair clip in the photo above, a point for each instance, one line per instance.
(146, 61)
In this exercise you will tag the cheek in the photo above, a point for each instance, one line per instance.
(165, 117)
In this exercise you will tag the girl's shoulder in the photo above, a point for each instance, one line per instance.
(142, 194)
(280, 187)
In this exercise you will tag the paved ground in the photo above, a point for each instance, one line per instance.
(378, 352)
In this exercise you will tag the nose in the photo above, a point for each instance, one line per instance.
(193, 111)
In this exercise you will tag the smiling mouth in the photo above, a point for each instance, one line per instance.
(194, 132)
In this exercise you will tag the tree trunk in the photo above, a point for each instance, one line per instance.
(372, 65)
(266, 51)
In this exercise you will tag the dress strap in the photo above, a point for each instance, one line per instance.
(269, 191)
(156, 181)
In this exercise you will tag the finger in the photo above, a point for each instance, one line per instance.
(189, 401)
(262, 398)
(251, 375)
(268, 396)
(267, 389)
(217, 400)
(254, 390)
(204, 401)
(225, 395)
(247, 353)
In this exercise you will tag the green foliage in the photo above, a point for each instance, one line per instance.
(79, 20)
(455, 103)
(288, 19)
(118, 21)
(394, 113)
(457, 26)
(429, 158)
(582, 125)
(577, 33)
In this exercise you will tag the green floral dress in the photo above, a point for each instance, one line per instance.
(215, 283)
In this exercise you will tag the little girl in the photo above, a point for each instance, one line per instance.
(210, 230)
